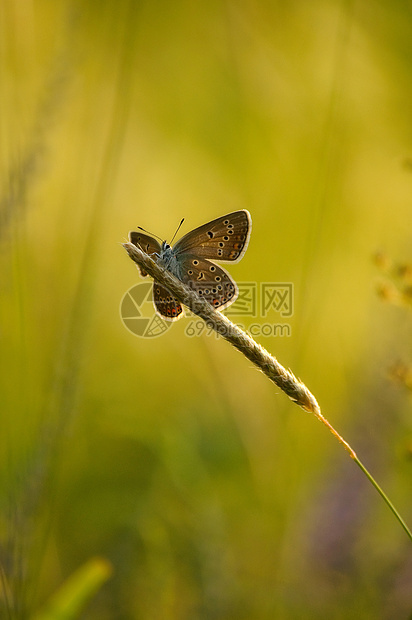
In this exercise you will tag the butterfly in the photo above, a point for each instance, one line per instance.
(224, 239)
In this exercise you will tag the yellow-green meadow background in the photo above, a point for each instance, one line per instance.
(174, 476)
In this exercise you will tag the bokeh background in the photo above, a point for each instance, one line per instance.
(173, 474)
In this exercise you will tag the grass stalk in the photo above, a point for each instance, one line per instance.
(258, 355)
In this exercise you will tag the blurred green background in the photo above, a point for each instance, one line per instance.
(210, 494)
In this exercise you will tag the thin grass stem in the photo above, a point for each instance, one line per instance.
(260, 357)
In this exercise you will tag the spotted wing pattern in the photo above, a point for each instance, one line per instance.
(166, 305)
(225, 238)
(211, 282)
(146, 243)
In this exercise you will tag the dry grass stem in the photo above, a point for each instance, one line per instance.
(267, 363)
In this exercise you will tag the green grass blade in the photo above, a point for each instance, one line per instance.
(68, 602)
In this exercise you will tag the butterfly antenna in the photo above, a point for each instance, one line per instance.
(149, 233)
(177, 230)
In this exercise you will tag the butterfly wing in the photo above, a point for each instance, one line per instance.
(146, 243)
(166, 305)
(211, 282)
(225, 238)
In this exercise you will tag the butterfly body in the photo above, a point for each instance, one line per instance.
(167, 259)
(223, 239)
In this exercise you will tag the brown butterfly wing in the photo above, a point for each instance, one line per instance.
(225, 238)
(146, 243)
(166, 305)
(211, 282)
